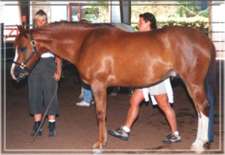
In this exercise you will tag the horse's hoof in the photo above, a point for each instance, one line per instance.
(197, 148)
(97, 151)
(97, 148)
(98, 145)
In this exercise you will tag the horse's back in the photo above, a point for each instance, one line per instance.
(189, 43)
(190, 35)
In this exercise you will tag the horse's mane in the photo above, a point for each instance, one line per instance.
(82, 23)
(71, 25)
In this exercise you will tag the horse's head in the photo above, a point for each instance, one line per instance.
(25, 55)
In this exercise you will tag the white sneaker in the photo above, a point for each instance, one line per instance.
(83, 104)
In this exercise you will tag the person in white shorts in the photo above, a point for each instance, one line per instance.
(161, 94)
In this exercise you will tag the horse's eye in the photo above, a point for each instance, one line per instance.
(23, 49)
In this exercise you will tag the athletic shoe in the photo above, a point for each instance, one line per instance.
(83, 104)
(119, 133)
(172, 138)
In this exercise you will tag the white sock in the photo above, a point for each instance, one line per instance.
(126, 129)
(51, 120)
(176, 133)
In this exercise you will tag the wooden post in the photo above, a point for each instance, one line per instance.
(125, 10)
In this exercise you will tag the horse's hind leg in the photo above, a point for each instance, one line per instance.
(99, 91)
(197, 92)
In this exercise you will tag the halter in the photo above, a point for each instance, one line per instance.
(34, 51)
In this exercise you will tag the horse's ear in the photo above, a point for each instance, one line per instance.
(21, 29)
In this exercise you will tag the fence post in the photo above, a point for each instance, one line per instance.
(2, 37)
(125, 11)
(2, 65)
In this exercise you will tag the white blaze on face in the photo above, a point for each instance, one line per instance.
(13, 65)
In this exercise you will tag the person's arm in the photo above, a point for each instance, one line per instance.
(58, 70)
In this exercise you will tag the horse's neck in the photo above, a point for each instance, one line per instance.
(65, 44)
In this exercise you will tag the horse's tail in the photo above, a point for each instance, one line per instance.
(210, 89)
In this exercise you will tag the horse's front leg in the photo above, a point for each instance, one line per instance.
(99, 91)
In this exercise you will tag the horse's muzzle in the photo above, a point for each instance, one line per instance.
(21, 73)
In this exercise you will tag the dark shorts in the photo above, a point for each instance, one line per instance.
(42, 87)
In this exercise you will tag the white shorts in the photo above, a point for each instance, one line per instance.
(163, 87)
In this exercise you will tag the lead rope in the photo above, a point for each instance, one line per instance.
(45, 113)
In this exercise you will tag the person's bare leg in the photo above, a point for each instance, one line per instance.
(37, 117)
(123, 132)
(51, 118)
(133, 111)
(168, 111)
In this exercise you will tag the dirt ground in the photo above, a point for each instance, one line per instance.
(77, 126)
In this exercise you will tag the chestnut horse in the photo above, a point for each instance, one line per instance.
(107, 56)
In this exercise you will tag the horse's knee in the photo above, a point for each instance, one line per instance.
(100, 115)
(204, 108)
(200, 99)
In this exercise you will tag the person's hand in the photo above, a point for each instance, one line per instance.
(57, 75)
(58, 71)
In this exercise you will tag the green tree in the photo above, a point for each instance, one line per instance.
(98, 11)
(191, 8)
